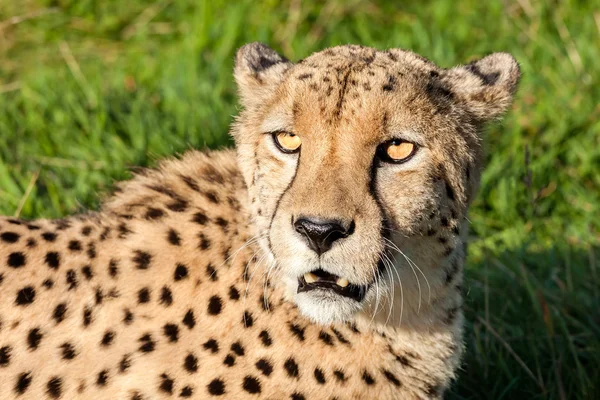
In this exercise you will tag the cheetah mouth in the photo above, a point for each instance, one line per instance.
(320, 279)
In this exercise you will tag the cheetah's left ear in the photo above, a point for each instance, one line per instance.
(486, 87)
(258, 69)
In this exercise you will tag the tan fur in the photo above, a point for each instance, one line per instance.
(211, 236)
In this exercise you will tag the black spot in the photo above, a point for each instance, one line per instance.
(390, 84)
(305, 76)
(91, 251)
(108, 338)
(297, 396)
(449, 191)
(5, 352)
(320, 376)
(123, 230)
(166, 297)
(297, 330)
(142, 259)
(200, 218)
(136, 396)
(102, 378)
(291, 368)
(340, 337)
(181, 272)
(9, 237)
(54, 387)
(23, 382)
(264, 366)
(223, 223)
(211, 272)
(87, 316)
(128, 317)
(166, 384)
(234, 294)
(49, 236)
(211, 345)
(189, 319)
(113, 269)
(34, 337)
(191, 363)
(204, 242)
(487, 79)
(74, 245)
(339, 375)
(367, 378)
(87, 272)
(237, 348)
(216, 387)
(247, 319)
(25, 296)
(178, 205)
(68, 351)
(59, 312)
(265, 338)
(154, 213)
(31, 242)
(16, 259)
(86, 230)
(173, 237)
(171, 331)
(144, 295)
(190, 182)
(186, 391)
(71, 278)
(251, 385)
(147, 344)
(212, 197)
(391, 377)
(229, 360)
(326, 338)
(48, 283)
(125, 363)
(215, 305)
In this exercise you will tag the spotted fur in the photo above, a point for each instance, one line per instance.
(184, 284)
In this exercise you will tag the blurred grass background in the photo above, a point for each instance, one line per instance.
(91, 88)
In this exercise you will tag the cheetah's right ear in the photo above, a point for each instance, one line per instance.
(258, 69)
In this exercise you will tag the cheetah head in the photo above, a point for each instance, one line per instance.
(360, 165)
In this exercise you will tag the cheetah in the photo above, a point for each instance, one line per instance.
(321, 259)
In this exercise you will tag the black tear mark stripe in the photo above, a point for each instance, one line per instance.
(386, 229)
(279, 200)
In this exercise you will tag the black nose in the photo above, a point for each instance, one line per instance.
(320, 234)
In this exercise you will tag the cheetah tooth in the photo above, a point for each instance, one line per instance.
(310, 277)
(343, 282)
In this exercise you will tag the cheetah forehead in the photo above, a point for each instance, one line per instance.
(479, 91)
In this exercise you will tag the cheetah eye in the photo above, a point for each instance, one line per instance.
(396, 151)
(287, 142)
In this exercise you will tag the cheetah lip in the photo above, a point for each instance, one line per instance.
(320, 279)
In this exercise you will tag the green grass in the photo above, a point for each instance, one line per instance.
(89, 89)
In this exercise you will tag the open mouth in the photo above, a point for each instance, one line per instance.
(320, 279)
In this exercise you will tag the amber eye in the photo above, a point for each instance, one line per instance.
(396, 151)
(287, 142)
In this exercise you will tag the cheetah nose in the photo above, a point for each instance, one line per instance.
(321, 234)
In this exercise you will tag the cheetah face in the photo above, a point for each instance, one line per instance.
(355, 158)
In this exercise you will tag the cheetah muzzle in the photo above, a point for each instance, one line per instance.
(321, 259)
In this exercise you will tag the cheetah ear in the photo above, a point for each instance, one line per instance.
(486, 87)
(258, 69)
